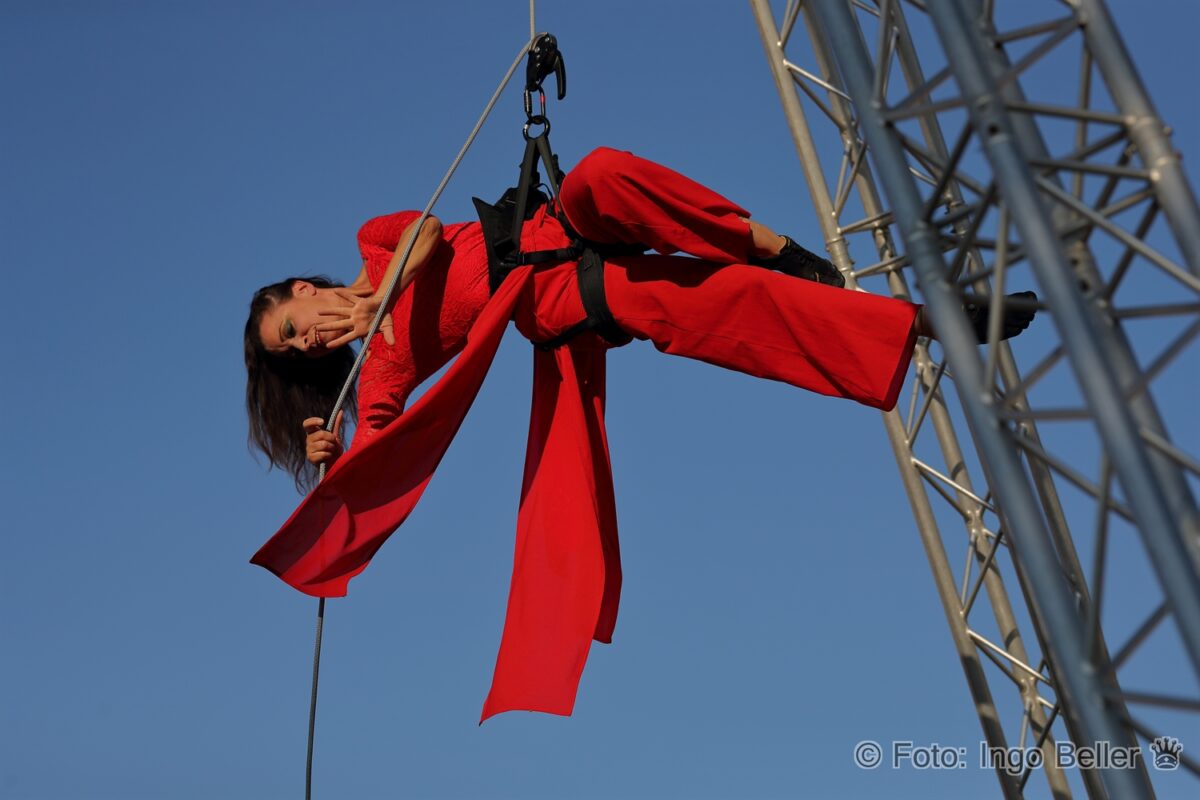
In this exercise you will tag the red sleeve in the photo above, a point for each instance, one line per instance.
(386, 381)
(379, 237)
(383, 390)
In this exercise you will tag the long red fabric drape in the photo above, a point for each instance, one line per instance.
(566, 579)
(566, 571)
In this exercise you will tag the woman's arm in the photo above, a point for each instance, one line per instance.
(354, 321)
(423, 250)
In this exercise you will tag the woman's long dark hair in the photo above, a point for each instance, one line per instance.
(282, 390)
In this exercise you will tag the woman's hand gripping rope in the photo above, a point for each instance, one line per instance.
(322, 446)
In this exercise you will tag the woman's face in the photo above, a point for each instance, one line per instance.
(292, 324)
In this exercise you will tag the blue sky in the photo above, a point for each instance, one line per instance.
(162, 160)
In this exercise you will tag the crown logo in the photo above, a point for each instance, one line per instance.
(1166, 751)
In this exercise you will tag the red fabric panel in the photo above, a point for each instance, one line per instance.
(368, 493)
(566, 569)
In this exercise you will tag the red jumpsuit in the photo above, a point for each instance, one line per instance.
(566, 573)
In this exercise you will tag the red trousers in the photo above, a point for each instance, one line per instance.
(566, 567)
(715, 309)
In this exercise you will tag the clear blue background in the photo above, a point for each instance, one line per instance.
(162, 160)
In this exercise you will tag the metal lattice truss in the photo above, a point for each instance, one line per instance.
(1076, 613)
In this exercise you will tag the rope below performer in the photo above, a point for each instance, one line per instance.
(565, 271)
(275, 445)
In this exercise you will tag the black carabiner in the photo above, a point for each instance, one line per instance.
(544, 59)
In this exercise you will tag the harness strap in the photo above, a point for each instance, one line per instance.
(502, 224)
(546, 256)
(589, 271)
(528, 182)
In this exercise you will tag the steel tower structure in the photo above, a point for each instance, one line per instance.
(1047, 469)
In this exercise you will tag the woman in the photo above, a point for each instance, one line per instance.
(721, 307)
(296, 320)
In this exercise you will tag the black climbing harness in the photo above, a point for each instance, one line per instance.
(503, 220)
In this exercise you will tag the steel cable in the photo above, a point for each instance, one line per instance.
(362, 353)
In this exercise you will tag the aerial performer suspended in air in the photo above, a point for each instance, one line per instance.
(572, 273)
(747, 299)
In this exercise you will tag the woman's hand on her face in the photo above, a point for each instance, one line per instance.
(352, 320)
(322, 446)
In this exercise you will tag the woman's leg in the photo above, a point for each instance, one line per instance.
(764, 242)
(831, 341)
(616, 197)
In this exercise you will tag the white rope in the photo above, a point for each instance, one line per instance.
(362, 354)
(408, 247)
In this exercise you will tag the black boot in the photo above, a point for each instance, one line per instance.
(794, 260)
(1016, 319)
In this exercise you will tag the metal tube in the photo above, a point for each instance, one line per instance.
(1054, 602)
(999, 358)
(923, 513)
(1124, 365)
(1146, 129)
(944, 427)
(1166, 513)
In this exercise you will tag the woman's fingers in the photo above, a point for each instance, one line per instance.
(314, 429)
(345, 338)
(369, 305)
(322, 449)
(336, 325)
(385, 328)
(321, 445)
(320, 458)
(351, 296)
